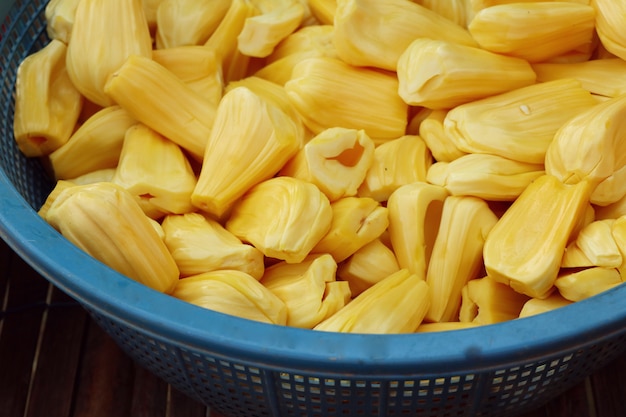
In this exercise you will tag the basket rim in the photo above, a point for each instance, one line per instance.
(165, 318)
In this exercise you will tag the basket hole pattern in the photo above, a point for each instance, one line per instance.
(161, 358)
(21, 33)
(444, 396)
(302, 395)
(528, 386)
(234, 389)
(241, 390)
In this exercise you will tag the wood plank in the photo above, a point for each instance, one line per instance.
(25, 296)
(609, 389)
(5, 257)
(575, 402)
(105, 380)
(149, 394)
(539, 412)
(180, 405)
(58, 359)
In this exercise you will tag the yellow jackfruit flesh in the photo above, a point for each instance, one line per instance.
(518, 124)
(232, 292)
(306, 42)
(598, 245)
(535, 31)
(598, 76)
(611, 211)
(414, 215)
(162, 101)
(486, 301)
(261, 33)
(525, 247)
(610, 19)
(478, 5)
(200, 244)
(367, 266)
(457, 253)
(196, 66)
(618, 231)
(444, 326)
(397, 304)
(99, 175)
(104, 175)
(249, 143)
(579, 285)
(459, 11)
(336, 160)
(536, 306)
(308, 289)
(575, 257)
(374, 34)
(589, 147)
(156, 171)
(396, 163)
(323, 10)
(441, 75)
(416, 116)
(93, 55)
(611, 189)
(355, 222)
(490, 177)
(188, 22)
(47, 105)
(150, 9)
(441, 146)
(223, 41)
(105, 221)
(59, 186)
(280, 71)
(60, 19)
(96, 144)
(272, 215)
(329, 93)
(316, 40)
(276, 95)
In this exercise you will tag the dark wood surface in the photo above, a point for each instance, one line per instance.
(56, 362)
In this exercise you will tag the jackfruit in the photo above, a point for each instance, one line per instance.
(525, 247)
(414, 215)
(308, 289)
(199, 244)
(47, 105)
(371, 33)
(457, 253)
(93, 55)
(336, 160)
(397, 304)
(441, 75)
(249, 143)
(232, 292)
(105, 221)
(273, 214)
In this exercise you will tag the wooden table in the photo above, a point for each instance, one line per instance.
(56, 362)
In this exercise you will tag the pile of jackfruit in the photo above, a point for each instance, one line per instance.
(359, 166)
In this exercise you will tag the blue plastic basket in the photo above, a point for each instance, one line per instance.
(248, 369)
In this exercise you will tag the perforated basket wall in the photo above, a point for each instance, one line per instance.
(239, 388)
(249, 369)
